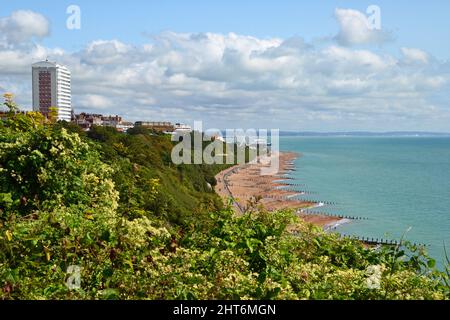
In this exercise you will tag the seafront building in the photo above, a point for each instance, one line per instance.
(164, 126)
(87, 120)
(51, 88)
(160, 126)
(181, 127)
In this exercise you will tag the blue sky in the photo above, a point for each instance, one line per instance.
(423, 24)
(247, 63)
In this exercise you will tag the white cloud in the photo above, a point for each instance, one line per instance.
(95, 101)
(105, 52)
(18, 60)
(23, 25)
(412, 55)
(354, 29)
(242, 81)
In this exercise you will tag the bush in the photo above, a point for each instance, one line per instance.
(62, 205)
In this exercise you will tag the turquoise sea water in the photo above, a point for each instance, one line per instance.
(395, 182)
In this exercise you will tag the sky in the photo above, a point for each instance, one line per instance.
(293, 65)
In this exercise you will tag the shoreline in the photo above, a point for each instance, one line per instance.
(244, 183)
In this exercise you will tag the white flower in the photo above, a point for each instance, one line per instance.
(374, 272)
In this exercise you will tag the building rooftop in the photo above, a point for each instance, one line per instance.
(49, 64)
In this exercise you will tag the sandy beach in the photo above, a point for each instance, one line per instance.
(246, 182)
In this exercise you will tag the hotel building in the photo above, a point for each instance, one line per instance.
(51, 88)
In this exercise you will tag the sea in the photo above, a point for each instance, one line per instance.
(398, 186)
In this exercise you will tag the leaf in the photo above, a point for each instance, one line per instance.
(110, 294)
(130, 263)
(47, 253)
(249, 245)
(316, 242)
(273, 293)
(8, 235)
(431, 263)
(89, 216)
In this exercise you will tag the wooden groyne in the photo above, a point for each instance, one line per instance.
(341, 216)
(379, 241)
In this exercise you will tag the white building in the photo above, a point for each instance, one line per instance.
(181, 127)
(51, 88)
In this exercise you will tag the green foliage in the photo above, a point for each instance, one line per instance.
(142, 228)
(147, 180)
(43, 168)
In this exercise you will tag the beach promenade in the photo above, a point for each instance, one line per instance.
(246, 183)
